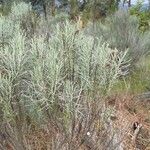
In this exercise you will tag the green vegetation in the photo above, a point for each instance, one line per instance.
(138, 82)
(142, 15)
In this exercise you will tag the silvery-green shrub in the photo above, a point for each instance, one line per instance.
(35, 72)
(121, 31)
(52, 76)
(19, 10)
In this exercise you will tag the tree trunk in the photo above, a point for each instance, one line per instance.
(44, 9)
(129, 3)
(74, 9)
(53, 8)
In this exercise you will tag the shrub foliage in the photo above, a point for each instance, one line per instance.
(56, 77)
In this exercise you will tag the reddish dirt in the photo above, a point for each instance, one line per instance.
(129, 112)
